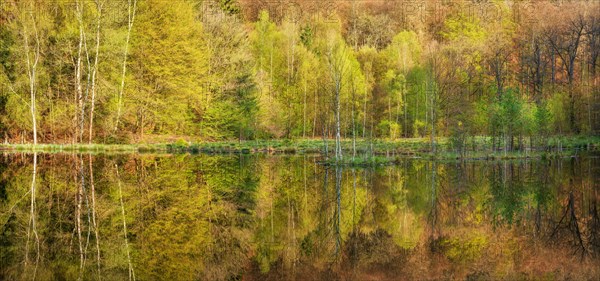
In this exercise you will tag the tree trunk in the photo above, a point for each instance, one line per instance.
(365, 112)
(353, 128)
(130, 17)
(553, 63)
(31, 72)
(78, 90)
(131, 270)
(94, 72)
(315, 114)
(32, 224)
(433, 100)
(94, 221)
(338, 147)
(304, 114)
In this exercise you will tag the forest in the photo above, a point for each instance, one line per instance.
(118, 72)
(299, 140)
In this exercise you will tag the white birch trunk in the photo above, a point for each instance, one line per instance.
(131, 16)
(78, 90)
(31, 72)
(94, 72)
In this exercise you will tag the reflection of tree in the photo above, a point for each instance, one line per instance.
(337, 217)
(593, 224)
(32, 225)
(510, 193)
(570, 223)
(433, 212)
(200, 222)
(130, 268)
(258, 217)
(95, 224)
(541, 183)
(594, 229)
(78, 225)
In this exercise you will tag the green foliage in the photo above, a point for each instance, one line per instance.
(306, 36)
(507, 117)
(542, 119)
(463, 250)
(231, 7)
(458, 138)
(463, 27)
(404, 52)
(388, 129)
(209, 72)
(166, 86)
(419, 89)
(7, 40)
(557, 107)
(229, 104)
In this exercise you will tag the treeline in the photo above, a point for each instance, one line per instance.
(134, 71)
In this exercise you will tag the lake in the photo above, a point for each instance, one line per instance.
(287, 217)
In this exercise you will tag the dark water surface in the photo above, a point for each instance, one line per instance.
(261, 217)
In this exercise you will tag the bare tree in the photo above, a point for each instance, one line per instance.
(565, 41)
(499, 57)
(592, 33)
(442, 89)
(535, 60)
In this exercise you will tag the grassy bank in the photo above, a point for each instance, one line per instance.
(367, 151)
(87, 148)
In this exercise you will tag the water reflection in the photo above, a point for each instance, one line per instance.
(258, 217)
(32, 233)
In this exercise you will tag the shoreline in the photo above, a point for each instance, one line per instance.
(367, 151)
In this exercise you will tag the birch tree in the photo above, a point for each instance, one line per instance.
(95, 70)
(32, 54)
(131, 9)
(78, 73)
(338, 67)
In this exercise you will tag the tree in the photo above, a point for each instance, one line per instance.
(507, 117)
(402, 56)
(95, 70)
(338, 68)
(131, 10)
(32, 58)
(565, 40)
(499, 48)
(370, 30)
(266, 40)
(228, 105)
(82, 71)
(535, 60)
(308, 72)
(169, 68)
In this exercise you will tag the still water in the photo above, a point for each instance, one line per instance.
(265, 217)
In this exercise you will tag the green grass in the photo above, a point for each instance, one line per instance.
(87, 148)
